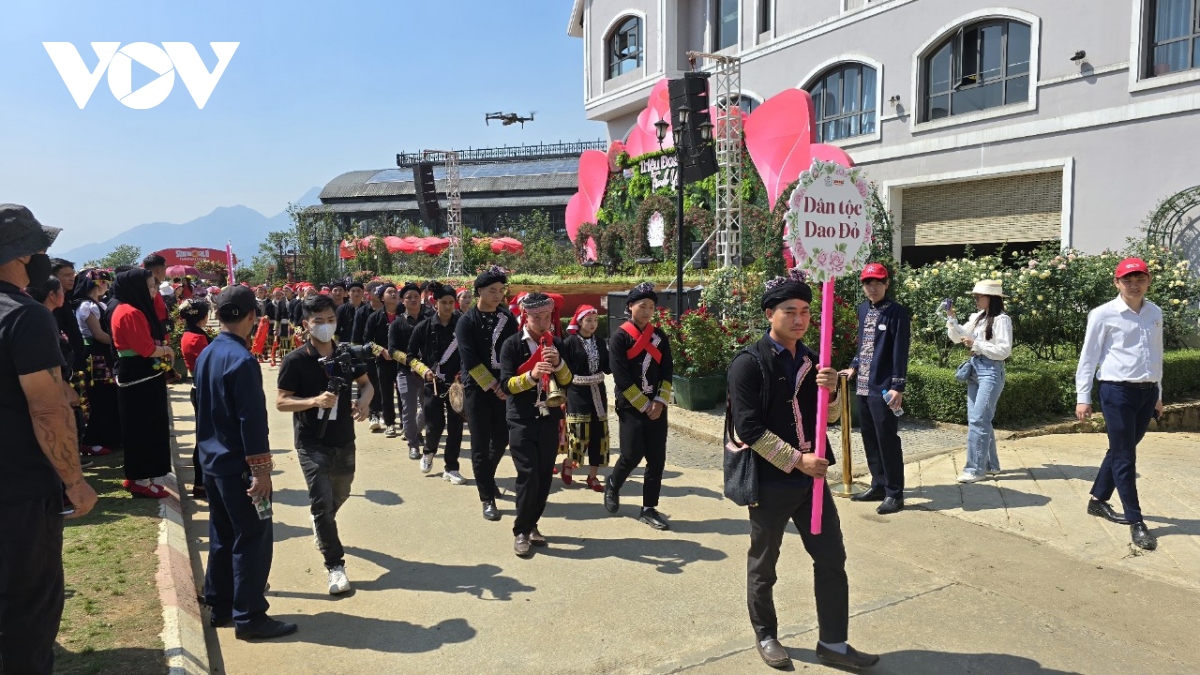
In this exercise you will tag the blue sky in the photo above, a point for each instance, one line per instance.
(314, 89)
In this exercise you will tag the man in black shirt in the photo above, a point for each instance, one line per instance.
(640, 356)
(324, 428)
(773, 411)
(347, 311)
(370, 305)
(409, 384)
(41, 452)
(433, 356)
(481, 333)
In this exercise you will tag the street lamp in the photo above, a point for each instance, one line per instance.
(683, 149)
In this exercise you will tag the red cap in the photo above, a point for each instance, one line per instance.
(874, 271)
(1131, 266)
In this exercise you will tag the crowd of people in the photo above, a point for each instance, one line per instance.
(85, 360)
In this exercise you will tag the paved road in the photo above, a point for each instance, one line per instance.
(937, 590)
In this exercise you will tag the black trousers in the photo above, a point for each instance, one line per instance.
(489, 438)
(534, 450)
(387, 389)
(240, 549)
(642, 437)
(31, 584)
(881, 441)
(439, 417)
(329, 473)
(778, 503)
(1127, 414)
(377, 395)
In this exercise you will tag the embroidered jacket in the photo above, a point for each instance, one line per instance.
(480, 338)
(431, 342)
(523, 389)
(772, 432)
(588, 360)
(642, 380)
(882, 359)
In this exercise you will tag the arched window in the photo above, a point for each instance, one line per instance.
(625, 48)
(1173, 32)
(983, 65)
(844, 99)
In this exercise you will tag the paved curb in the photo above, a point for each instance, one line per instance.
(184, 645)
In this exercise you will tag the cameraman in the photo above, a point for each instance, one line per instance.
(311, 389)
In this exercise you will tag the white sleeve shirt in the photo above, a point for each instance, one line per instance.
(998, 348)
(1121, 345)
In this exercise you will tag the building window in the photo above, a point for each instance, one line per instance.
(1173, 33)
(983, 65)
(625, 48)
(725, 25)
(844, 99)
(765, 9)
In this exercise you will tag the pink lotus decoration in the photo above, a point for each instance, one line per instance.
(643, 138)
(779, 136)
(593, 181)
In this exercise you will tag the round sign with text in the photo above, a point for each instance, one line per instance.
(826, 228)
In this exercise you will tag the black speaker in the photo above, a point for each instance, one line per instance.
(426, 191)
(692, 90)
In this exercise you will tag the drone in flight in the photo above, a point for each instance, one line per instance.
(508, 119)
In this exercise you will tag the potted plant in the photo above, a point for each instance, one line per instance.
(701, 350)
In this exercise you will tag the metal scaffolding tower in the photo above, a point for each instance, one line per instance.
(454, 224)
(727, 93)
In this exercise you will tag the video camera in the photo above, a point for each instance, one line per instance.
(342, 368)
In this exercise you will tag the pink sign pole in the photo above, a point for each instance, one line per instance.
(826, 357)
(229, 256)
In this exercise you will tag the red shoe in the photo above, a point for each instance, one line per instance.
(150, 491)
(94, 450)
(566, 473)
(595, 484)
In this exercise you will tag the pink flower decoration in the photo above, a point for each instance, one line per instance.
(823, 260)
(837, 262)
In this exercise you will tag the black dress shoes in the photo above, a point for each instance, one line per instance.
(612, 500)
(890, 505)
(270, 628)
(490, 512)
(773, 654)
(1105, 511)
(654, 519)
(874, 494)
(219, 620)
(536, 538)
(851, 659)
(1142, 537)
(521, 546)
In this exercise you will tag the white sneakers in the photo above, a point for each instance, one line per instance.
(338, 583)
(453, 477)
(376, 425)
(971, 477)
(426, 462)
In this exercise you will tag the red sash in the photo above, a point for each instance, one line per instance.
(641, 342)
(534, 359)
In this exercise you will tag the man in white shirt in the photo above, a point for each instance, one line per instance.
(1123, 349)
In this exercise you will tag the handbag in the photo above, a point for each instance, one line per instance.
(966, 370)
(740, 468)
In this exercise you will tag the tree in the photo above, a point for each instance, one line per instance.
(125, 254)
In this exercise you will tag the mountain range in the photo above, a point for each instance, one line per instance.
(239, 225)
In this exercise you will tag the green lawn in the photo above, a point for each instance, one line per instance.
(113, 616)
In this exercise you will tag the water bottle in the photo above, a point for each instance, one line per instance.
(263, 506)
(887, 398)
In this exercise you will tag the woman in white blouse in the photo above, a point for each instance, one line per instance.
(988, 336)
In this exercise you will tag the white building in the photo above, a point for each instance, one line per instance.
(983, 123)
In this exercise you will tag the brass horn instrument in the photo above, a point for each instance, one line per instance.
(556, 396)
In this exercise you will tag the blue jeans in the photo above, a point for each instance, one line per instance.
(983, 393)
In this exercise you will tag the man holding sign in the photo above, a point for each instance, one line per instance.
(773, 410)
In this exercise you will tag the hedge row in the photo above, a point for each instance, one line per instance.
(1032, 395)
(601, 330)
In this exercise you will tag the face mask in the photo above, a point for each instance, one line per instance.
(38, 268)
(323, 332)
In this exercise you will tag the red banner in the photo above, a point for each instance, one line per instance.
(191, 256)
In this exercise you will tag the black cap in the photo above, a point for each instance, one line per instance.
(235, 302)
(21, 234)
